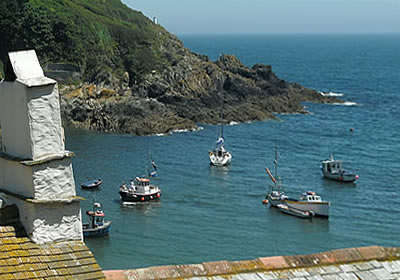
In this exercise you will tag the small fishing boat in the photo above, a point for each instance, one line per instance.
(97, 226)
(140, 190)
(295, 212)
(276, 193)
(333, 169)
(92, 184)
(309, 201)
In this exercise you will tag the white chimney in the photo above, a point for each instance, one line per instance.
(35, 170)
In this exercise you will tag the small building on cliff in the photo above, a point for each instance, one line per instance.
(40, 215)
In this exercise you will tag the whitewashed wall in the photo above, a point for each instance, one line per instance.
(14, 120)
(16, 178)
(54, 179)
(51, 222)
(45, 121)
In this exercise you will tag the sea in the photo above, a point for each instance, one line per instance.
(209, 213)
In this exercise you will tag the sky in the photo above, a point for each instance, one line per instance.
(272, 16)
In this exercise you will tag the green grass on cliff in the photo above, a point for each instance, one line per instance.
(91, 34)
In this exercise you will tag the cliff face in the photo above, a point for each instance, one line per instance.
(135, 77)
(191, 90)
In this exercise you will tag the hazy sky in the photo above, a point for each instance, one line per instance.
(272, 16)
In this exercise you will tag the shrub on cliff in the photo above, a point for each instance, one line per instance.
(91, 34)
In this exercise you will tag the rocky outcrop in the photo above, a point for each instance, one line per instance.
(191, 90)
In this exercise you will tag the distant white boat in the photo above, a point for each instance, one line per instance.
(333, 169)
(219, 156)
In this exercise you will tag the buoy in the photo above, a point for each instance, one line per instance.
(158, 195)
(265, 201)
(142, 198)
(151, 197)
(357, 177)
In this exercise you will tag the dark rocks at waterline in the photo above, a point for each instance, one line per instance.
(190, 92)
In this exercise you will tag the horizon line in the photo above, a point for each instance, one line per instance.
(288, 33)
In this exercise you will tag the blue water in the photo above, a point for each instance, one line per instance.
(208, 214)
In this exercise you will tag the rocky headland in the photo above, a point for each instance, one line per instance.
(190, 91)
(120, 72)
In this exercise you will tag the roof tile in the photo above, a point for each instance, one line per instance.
(347, 255)
(7, 277)
(188, 270)
(26, 260)
(274, 262)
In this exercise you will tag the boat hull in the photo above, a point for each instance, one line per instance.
(319, 208)
(349, 177)
(91, 184)
(274, 200)
(295, 212)
(215, 160)
(137, 197)
(98, 231)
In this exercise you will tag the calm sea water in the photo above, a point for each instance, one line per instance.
(208, 214)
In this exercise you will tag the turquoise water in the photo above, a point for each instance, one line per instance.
(208, 214)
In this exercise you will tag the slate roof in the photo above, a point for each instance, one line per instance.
(365, 263)
(20, 258)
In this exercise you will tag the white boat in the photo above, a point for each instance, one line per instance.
(295, 212)
(140, 190)
(333, 169)
(219, 156)
(309, 201)
(276, 192)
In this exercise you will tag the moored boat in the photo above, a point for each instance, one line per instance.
(92, 184)
(96, 227)
(140, 190)
(295, 212)
(309, 201)
(333, 169)
(219, 156)
(276, 193)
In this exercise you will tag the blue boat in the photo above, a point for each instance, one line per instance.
(96, 227)
(92, 184)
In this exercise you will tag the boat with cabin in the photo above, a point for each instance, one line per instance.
(295, 212)
(333, 169)
(307, 202)
(92, 184)
(310, 201)
(96, 227)
(140, 190)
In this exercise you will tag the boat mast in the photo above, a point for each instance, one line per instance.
(222, 117)
(276, 163)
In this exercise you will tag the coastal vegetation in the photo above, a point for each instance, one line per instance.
(91, 34)
(133, 75)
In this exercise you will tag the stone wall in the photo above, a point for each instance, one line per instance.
(362, 263)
